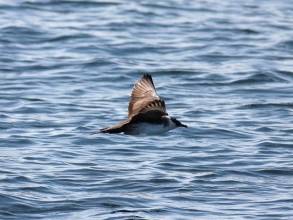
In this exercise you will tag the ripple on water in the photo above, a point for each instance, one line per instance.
(67, 69)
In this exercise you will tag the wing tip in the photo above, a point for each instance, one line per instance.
(147, 75)
(149, 78)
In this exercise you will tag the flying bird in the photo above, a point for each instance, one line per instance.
(147, 113)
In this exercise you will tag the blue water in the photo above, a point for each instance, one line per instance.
(224, 68)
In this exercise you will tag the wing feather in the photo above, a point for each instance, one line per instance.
(142, 93)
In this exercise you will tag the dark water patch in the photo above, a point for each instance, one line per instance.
(97, 140)
(176, 7)
(110, 205)
(163, 181)
(33, 99)
(170, 72)
(29, 36)
(27, 209)
(267, 105)
(23, 31)
(69, 38)
(98, 62)
(13, 179)
(226, 133)
(248, 31)
(29, 110)
(265, 129)
(5, 125)
(289, 130)
(16, 141)
(36, 159)
(272, 145)
(288, 45)
(36, 189)
(61, 6)
(288, 75)
(276, 172)
(123, 151)
(219, 57)
(259, 78)
(137, 210)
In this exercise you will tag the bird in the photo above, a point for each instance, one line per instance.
(147, 114)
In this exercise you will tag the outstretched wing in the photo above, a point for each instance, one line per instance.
(143, 93)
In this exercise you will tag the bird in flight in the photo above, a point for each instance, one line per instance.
(147, 113)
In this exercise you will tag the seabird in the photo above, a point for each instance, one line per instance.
(147, 113)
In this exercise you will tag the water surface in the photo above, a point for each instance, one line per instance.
(223, 68)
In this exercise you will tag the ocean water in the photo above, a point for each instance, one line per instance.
(224, 68)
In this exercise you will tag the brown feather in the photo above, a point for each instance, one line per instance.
(142, 93)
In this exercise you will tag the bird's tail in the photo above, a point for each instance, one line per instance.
(110, 130)
(118, 128)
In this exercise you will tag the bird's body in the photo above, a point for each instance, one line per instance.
(147, 113)
(145, 128)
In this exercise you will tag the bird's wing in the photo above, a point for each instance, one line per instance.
(143, 93)
(151, 113)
